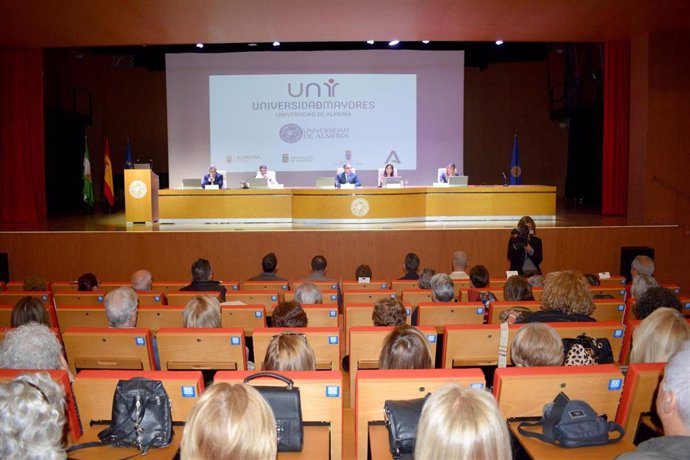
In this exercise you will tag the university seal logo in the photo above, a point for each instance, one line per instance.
(515, 171)
(291, 133)
(359, 207)
(138, 189)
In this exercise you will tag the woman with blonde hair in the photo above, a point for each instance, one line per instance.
(405, 348)
(537, 344)
(462, 423)
(659, 336)
(230, 422)
(202, 311)
(289, 351)
(566, 298)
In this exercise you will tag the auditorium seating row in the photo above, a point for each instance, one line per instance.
(603, 386)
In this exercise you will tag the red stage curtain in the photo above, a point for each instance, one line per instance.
(614, 200)
(22, 152)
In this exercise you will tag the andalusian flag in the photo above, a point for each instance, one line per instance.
(86, 175)
(108, 176)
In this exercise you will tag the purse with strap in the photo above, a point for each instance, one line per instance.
(572, 423)
(584, 350)
(286, 405)
(402, 418)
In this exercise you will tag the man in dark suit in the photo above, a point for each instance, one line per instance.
(212, 178)
(411, 267)
(347, 177)
(202, 279)
(269, 264)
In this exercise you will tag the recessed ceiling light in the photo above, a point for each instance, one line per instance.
(426, 42)
(499, 42)
(252, 44)
(199, 45)
(393, 42)
(276, 43)
(370, 42)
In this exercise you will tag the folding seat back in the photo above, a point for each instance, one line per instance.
(439, 314)
(6, 315)
(168, 286)
(360, 314)
(415, 296)
(197, 349)
(366, 343)
(374, 387)
(399, 285)
(608, 292)
(613, 281)
(354, 285)
(60, 286)
(331, 285)
(322, 315)
(93, 298)
(497, 307)
(367, 295)
(107, 286)
(327, 295)
(12, 297)
(274, 286)
(155, 317)
(183, 297)
(12, 286)
(73, 427)
(247, 317)
(81, 316)
(639, 393)
(151, 298)
(468, 345)
(325, 341)
(321, 394)
(269, 299)
(609, 310)
(108, 348)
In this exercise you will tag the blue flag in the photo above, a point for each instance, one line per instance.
(128, 156)
(515, 170)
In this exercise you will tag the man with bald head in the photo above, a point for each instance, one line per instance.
(141, 280)
(460, 262)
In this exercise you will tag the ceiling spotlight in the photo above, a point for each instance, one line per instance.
(370, 42)
(393, 42)
(499, 42)
(252, 44)
(276, 43)
(426, 42)
(199, 45)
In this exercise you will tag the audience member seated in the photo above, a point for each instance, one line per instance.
(442, 288)
(592, 279)
(29, 309)
(202, 311)
(202, 279)
(642, 265)
(451, 170)
(640, 284)
(121, 306)
(536, 281)
(289, 314)
(319, 268)
(653, 298)
(264, 173)
(479, 282)
(35, 283)
(460, 263)
(566, 298)
(462, 423)
(87, 282)
(212, 178)
(517, 289)
(659, 336)
(32, 346)
(673, 408)
(388, 312)
(289, 351)
(525, 248)
(363, 271)
(537, 344)
(230, 422)
(308, 294)
(269, 265)
(348, 176)
(425, 278)
(405, 348)
(141, 280)
(33, 418)
(411, 267)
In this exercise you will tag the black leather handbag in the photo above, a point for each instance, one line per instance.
(287, 410)
(141, 415)
(402, 418)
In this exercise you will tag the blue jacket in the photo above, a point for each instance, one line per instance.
(207, 181)
(343, 179)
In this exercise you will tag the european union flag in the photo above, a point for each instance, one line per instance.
(128, 156)
(515, 170)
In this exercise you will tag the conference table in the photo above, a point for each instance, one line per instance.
(360, 205)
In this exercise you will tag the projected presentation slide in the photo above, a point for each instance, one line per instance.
(312, 122)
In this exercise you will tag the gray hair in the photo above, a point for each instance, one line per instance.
(308, 293)
(677, 381)
(425, 278)
(121, 307)
(442, 288)
(30, 346)
(536, 281)
(141, 280)
(640, 284)
(460, 260)
(33, 416)
(644, 265)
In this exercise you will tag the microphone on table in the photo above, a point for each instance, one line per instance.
(505, 179)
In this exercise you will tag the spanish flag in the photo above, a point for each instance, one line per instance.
(108, 176)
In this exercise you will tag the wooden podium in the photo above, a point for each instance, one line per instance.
(141, 196)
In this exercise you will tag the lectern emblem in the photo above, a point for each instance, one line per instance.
(515, 171)
(359, 207)
(138, 189)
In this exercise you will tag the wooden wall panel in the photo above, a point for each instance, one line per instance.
(237, 255)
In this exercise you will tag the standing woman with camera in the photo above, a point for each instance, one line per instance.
(524, 248)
